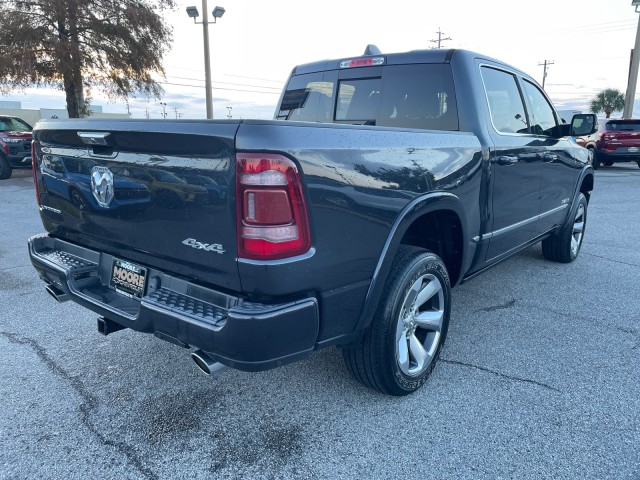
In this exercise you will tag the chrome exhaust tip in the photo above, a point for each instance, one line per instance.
(57, 293)
(205, 363)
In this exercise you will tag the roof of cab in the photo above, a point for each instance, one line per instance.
(404, 58)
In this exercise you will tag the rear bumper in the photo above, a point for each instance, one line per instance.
(239, 334)
(613, 156)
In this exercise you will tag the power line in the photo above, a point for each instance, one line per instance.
(217, 88)
(226, 74)
(253, 78)
(602, 25)
(227, 83)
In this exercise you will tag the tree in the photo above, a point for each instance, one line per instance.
(74, 45)
(608, 101)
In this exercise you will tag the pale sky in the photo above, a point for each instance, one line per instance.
(257, 43)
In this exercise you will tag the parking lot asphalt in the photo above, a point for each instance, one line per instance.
(539, 378)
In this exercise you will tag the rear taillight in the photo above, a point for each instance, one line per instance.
(271, 211)
(34, 166)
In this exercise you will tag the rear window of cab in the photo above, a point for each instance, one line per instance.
(405, 96)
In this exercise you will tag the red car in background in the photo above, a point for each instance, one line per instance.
(15, 145)
(618, 141)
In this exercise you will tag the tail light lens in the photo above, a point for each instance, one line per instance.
(34, 167)
(271, 211)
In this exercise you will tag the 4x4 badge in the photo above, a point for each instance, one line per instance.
(209, 247)
(102, 185)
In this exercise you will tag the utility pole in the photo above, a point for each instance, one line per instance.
(178, 115)
(633, 76)
(544, 75)
(440, 39)
(229, 112)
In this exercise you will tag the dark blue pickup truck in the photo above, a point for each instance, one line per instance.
(383, 181)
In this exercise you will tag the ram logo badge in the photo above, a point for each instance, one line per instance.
(102, 185)
(209, 247)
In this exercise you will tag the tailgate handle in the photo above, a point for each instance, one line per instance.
(94, 138)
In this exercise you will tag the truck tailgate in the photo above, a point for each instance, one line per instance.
(158, 193)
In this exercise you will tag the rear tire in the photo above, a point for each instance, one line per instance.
(401, 346)
(596, 161)
(638, 162)
(564, 245)
(5, 168)
(608, 163)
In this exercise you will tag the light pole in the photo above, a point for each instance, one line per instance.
(217, 13)
(164, 110)
(229, 112)
(633, 71)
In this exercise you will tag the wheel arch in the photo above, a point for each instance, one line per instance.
(436, 222)
(4, 174)
(586, 184)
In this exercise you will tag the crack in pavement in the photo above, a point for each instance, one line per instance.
(611, 259)
(502, 375)
(89, 402)
(503, 306)
(634, 332)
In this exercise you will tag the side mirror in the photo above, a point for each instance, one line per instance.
(584, 124)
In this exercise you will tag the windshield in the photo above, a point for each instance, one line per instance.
(12, 124)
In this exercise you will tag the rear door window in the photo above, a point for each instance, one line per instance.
(505, 102)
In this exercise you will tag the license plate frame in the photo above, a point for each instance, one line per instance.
(128, 278)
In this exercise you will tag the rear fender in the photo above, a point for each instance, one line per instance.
(417, 208)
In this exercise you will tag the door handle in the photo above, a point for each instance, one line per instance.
(506, 160)
(550, 157)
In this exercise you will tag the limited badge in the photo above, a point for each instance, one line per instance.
(102, 185)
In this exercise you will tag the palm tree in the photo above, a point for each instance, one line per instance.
(608, 101)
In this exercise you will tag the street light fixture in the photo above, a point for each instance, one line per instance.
(633, 70)
(217, 12)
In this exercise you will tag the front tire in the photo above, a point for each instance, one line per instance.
(5, 168)
(401, 346)
(564, 245)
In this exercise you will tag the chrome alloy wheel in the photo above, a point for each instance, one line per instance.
(419, 326)
(578, 230)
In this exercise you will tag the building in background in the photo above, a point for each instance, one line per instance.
(31, 116)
